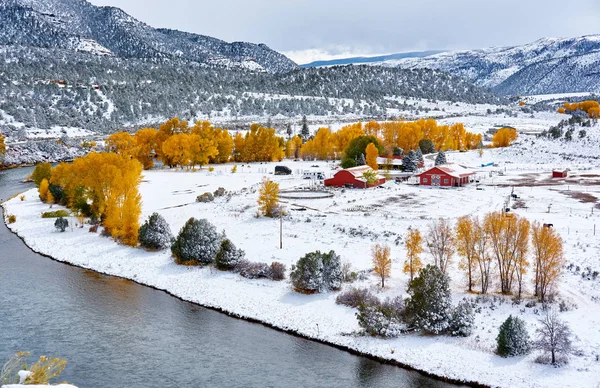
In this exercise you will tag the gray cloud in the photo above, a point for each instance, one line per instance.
(374, 26)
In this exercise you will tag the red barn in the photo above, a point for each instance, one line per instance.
(353, 177)
(560, 174)
(446, 175)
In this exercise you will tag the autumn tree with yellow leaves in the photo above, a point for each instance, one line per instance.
(548, 259)
(414, 247)
(372, 154)
(504, 137)
(382, 262)
(268, 196)
(2, 146)
(44, 190)
(466, 246)
(147, 146)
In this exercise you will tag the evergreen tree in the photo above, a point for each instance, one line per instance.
(426, 146)
(61, 224)
(409, 162)
(398, 151)
(440, 158)
(289, 131)
(361, 160)
(197, 243)
(304, 132)
(332, 271)
(419, 156)
(429, 306)
(382, 319)
(155, 233)
(307, 274)
(228, 255)
(462, 320)
(513, 339)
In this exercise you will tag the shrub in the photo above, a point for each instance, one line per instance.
(61, 224)
(211, 169)
(316, 272)
(429, 305)
(155, 233)
(252, 270)
(277, 271)
(228, 255)
(513, 339)
(462, 320)
(197, 243)
(382, 319)
(55, 214)
(206, 197)
(348, 163)
(11, 218)
(94, 229)
(58, 194)
(45, 370)
(354, 297)
(22, 198)
(234, 169)
(220, 192)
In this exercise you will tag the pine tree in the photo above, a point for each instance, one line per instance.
(419, 157)
(197, 243)
(429, 306)
(155, 233)
(61, 224)
(361, 160)
(440, 158)
(409, 162)
(228, 255)
(307, 274)
(289, 131)
(304, 132)
(513, 339)
(462, 320)
(332, 271)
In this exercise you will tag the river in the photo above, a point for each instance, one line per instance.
(118, 334)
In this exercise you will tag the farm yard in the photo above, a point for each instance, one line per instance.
(351, 222)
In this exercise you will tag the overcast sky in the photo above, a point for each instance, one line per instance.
(307, 30)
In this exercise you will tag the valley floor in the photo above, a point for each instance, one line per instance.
(351, 223)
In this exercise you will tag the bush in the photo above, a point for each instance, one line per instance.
(382, 319)
(94, 229)
(252, 270)
(55, 214)
(348, 163)
(58, 194)
(355, 297)
(277, 271)
(228, 255)
(513, 339)
(317, 272)
(155, 233)
(429, 305)
(220, 192)
(11, 218)
(462, 320)
(206, 197)
(197, 243)
(61, 224)
(22, 198)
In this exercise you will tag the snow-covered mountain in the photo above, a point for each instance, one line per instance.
(548, 65)
(79, 25)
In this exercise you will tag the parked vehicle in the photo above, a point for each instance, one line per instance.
(315, 175)
(282, 170)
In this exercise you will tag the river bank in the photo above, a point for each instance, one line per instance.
(274, 304)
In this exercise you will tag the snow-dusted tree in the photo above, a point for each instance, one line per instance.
(513, 339)
(155, 233)
(462, 320)
(409, 162)
(382, 319)
(61, 224)
(361, 160)
(554, 336)
(307, 274)
(419, 156)
(332, 271)
(228, 255)
(304, 132)
(440, 242)
(197, 243)
(429, 306)
(440, 158)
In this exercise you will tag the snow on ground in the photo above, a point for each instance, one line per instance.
(556, 97)
(57, 132)
(351, 223)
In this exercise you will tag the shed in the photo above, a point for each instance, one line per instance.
(353, 177)
(395, 163)
(446, 175)
(560, 173)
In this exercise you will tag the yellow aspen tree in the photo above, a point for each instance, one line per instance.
(44, 190)
(372, 154)
(122, 143)
(548, 259)
(147, 145)
(268, 196)
(465, 237)
(440, 242)
(414, 247)
(382, 262)
(504, 137)
(238, 147)
(2, 145)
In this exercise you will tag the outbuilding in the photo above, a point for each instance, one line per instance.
(353, 177)
(446, 175)
(560, 173)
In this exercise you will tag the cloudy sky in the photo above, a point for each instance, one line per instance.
(307, 30)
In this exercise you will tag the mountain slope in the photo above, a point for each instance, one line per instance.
(79, 25)
(374, 60)
(494, 66)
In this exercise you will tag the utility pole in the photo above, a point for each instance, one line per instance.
(280, 231)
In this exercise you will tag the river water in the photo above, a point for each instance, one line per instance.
(118, 334)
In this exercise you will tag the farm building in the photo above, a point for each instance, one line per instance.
(560, 173)
(395, 162)
(446, 175)
(353, 177)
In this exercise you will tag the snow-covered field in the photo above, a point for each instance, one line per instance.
(351, 223)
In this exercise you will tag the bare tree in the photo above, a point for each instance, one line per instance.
(554, 335)
(483, 258)
(440, 242)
